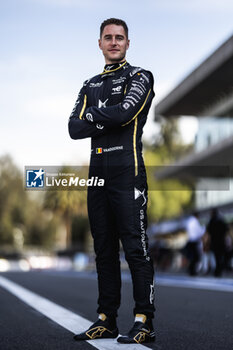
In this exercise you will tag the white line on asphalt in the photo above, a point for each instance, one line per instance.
(196, 283)
(206, 283)
(65, 318)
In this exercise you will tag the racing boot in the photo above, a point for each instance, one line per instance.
(141, 332)
(104, 327)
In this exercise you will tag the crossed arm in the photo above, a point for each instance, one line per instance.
(78, 127)
(93, 121)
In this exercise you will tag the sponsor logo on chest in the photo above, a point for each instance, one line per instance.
(116, 90)
(102, 103)
(96, 85)
(119, 80)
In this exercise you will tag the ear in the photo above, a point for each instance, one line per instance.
(100, 44)
(127, 46)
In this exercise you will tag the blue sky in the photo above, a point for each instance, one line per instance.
(49, 47)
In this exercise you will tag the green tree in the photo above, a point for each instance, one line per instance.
(23, 221)
(168, 140)
(12, 200)
(67, 203)
(166, 198)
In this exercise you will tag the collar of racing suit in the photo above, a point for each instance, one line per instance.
(109, 68)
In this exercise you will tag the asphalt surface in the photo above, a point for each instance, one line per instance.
(186, 318)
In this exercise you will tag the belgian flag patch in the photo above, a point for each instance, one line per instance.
(98, 150)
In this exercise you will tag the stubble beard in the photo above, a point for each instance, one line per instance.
(116, 60)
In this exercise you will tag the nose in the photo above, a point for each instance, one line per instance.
(114, 41)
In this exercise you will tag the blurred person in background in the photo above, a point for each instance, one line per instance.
(229, 252)
(112, 109)
(208, 261)
(217, 229)
(194, 247)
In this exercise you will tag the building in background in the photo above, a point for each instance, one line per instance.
(206, 93)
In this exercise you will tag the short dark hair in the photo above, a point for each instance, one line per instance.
(118, 22)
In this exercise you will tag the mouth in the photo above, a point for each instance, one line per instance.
(114, 50)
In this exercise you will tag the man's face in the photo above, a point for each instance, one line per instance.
(113, 43)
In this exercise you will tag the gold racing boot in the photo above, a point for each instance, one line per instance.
(141, 332)
(104, 327)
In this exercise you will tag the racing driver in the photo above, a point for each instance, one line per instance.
(112, 109)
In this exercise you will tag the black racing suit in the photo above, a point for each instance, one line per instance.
(112, 108)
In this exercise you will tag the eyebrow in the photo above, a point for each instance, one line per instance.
(117, 35)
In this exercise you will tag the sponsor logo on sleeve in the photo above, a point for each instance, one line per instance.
(76, 103)
(137, 88)
(134, 71)
(89, 117)
(99, 126)
(86, 82)
(145, 77)
(126, 105)
(129, 101)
